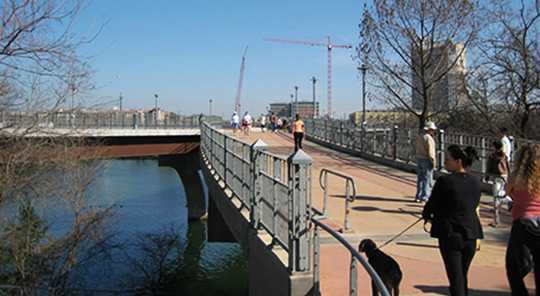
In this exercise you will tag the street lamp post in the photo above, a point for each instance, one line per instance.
(155, 109)
(363, 68)
(291, 108)
(314, 80)
(210, 107)
(295, 100)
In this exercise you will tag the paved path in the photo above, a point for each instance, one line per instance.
(383, 207)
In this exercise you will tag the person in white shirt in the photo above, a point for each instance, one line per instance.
(506, 143)
(235, 122)
(246, 123)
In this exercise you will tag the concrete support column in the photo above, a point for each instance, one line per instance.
(187, 166)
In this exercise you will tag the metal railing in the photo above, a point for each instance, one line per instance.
(349, 195)
(353, 267)
(395, 144)
(106, 119)
(276, 190)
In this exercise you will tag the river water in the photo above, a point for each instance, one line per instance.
(150, 201)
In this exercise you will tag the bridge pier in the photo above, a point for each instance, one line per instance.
(188, 166)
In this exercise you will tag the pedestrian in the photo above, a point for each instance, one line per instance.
(298, 132)
(247, 121)
(425, 161)
(497, 170)
(451, 209)
(523, 250)
(273, 120)
(235, 122)
(263, 123)
(506, 143)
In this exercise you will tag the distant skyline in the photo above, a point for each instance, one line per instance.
(188, 52)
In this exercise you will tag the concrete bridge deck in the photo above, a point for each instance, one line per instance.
(383, 207)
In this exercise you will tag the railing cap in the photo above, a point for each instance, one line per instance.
(300, 157)
(259, 145)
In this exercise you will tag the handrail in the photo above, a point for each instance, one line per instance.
(349, 184)
(355, 255)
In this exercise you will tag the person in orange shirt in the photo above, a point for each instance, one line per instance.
(298, 132)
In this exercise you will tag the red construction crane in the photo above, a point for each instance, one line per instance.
(329, 45)
(240, 81)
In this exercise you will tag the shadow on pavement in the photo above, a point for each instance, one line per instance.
(442, 290)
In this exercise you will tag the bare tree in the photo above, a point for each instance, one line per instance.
(507, 82)
(414, 48)
(40, 69)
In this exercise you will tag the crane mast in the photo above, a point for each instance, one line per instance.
(240, 82)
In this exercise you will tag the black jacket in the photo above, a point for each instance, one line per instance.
(452, 207)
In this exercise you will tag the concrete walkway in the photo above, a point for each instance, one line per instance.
(384, 206)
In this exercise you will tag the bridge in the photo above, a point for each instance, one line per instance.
(299, 217)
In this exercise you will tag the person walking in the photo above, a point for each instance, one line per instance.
(247, 121)
(298, 132)
(506, 143)
(235, 122)
(451, 210)
(523, 250)
(425, 161)
(273, 121)
(263, 123)
(497, 171)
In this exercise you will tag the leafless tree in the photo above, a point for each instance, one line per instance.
(40, 69)
(505, 87)
(411, 48)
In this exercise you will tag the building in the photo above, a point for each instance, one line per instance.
(306, 109)
(281, 109)
(448, 92)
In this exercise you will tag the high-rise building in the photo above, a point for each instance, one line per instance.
(306, 109)
(281, 109)
(449, 91)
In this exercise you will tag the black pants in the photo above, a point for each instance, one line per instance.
(298, 141)
(522, 253)
(457, 260)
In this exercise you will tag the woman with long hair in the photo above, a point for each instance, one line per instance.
(451, 209)
(524, 243)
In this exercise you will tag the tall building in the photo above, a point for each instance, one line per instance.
(281, 109)
(449, 91)
(306, 109)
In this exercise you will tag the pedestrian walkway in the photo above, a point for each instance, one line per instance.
(384, 205)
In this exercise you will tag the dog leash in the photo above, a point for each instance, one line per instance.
(401, 233)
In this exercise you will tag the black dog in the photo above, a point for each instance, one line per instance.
(386, 267)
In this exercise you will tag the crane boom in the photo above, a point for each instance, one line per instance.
(240, 82)
(329, 45)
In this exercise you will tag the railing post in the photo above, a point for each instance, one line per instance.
(299, 165)
(483, 154)
(353, 277)
(316, 261)
(255, 212)
(341, 133)
(395, 143)
(325, 194)
(442, 147)
(225, 158)
(347, 221)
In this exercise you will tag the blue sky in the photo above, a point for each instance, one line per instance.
(189, 51)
